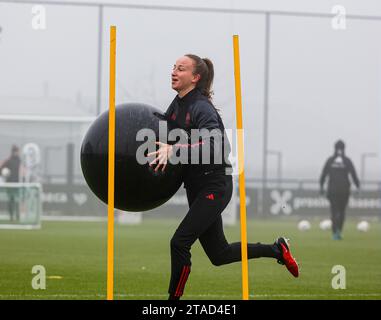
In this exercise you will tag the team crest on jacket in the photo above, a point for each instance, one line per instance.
(210, 196)
(187, 119)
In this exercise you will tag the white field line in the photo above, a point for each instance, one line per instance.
(307, 295)
(73, 218)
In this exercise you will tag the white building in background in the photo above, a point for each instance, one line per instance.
(50, 123)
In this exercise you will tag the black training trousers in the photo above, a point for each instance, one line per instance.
(204, 222)
(339, 202)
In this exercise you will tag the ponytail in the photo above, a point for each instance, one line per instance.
(207, 89)
(203, 67)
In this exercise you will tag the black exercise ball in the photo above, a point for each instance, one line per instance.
(137, 186)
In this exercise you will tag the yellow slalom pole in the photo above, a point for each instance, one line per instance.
(111, 168)
(241, 172)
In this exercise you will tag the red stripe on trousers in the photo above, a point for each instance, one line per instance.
(183, 279)
(187, 269)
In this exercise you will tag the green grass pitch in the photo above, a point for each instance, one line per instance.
(74, 256)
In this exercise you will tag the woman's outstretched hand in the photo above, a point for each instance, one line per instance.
(161, 156)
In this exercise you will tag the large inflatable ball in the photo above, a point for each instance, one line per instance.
(137, 186)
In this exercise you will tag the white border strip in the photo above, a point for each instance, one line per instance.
(16, 117)
(235, 297)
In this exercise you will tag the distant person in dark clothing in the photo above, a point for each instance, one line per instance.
(13, 164)
(338, 168)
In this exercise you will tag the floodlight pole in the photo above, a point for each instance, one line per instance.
(99, 68)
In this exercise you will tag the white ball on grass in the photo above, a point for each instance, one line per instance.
(304, 225)
(325, 224)
(363, 226)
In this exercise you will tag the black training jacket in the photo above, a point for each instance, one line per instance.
(338, 168)
(195, 111)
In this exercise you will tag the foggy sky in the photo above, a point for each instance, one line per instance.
(324, 84)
